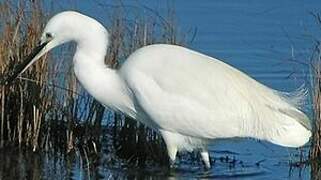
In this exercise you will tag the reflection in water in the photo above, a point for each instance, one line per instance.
(19, 164)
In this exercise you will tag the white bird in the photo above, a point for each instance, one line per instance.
(188, 97)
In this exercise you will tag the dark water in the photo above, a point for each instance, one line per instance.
(239, 159)
(258, 37)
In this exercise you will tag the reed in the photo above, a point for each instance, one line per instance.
(23, 105)
(315, 150)
(316, 141)
(47, 110)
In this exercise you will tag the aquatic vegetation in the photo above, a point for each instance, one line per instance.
(46, 109)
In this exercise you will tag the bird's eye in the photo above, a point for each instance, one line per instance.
(48, 35)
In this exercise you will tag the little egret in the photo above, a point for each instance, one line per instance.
(188, 97)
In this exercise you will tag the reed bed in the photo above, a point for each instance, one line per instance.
(47, 110)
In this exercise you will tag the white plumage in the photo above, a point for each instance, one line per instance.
(190, 98)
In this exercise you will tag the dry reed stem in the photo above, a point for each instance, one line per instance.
(315, 151)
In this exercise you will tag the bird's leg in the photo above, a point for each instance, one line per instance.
(206, 158)
(172, 151)
(171, 145)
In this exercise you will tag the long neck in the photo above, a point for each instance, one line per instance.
(103, 83)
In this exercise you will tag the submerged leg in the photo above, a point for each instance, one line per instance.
(206, 158)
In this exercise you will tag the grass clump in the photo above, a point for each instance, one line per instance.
(47, 110)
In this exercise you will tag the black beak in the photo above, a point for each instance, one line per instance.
(19, 68)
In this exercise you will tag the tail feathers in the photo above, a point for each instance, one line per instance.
(298, 116)
(292, 128)
(297, 98)
(295, 101)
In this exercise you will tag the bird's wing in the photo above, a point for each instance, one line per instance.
(193, 94)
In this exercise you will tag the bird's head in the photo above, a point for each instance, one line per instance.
(61, 28)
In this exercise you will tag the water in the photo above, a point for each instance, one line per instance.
(241, 159)
(258, 37)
